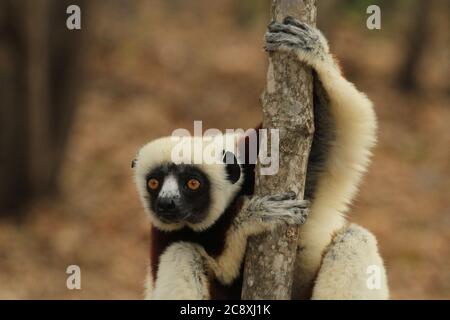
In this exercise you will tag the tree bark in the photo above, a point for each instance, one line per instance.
(288, 106)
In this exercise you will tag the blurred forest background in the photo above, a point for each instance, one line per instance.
(75, 106)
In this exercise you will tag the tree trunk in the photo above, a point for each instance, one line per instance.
(39, 71)
(418, 39)
(288, 106)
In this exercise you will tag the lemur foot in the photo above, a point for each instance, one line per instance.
(281, 208)
(295, 36)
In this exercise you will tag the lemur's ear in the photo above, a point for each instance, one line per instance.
(133, 163)
(231, 166)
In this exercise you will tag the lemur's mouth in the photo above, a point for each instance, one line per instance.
(173, 218)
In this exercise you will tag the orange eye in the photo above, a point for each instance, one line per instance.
(153, 184)
(193, 184)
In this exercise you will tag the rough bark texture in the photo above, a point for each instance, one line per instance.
(288, 106)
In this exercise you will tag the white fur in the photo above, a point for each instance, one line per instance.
(170, 187)
(180, 274)
(347, 267)
(324, 278)
(159, 152)
(225, 267)
(349, 157)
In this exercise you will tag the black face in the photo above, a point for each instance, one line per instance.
(179, 193)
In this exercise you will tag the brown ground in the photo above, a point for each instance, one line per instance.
(149, 73)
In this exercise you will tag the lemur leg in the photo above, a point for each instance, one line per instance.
(182, 274)
(352, 268)
(355, 127)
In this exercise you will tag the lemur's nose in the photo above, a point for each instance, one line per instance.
(165, 205)
(167, 209)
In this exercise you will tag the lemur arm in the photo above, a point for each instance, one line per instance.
(258, 214)
(351, 128)
(182, 274)
(352, 113)
(185, 269)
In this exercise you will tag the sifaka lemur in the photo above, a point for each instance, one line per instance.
(202, 214)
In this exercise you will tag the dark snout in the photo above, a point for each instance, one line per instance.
(168, 209)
